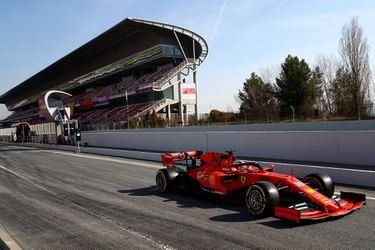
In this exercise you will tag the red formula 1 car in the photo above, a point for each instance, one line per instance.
(266, 192)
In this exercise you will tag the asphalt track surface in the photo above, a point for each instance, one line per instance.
(62, 200)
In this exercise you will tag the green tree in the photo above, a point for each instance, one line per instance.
(294, 87)
(216, 116)
(155, 120)
(148, 119)
(257, 99)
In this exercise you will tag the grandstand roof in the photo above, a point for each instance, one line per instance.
(124, 39)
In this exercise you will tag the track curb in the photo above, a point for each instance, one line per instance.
(3, 246)
(6, 241)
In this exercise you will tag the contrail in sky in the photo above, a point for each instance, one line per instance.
(218, 21)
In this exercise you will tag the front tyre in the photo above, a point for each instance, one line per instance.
(262, 198)
(321, 183)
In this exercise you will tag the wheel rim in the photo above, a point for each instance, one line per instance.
(160, 181)
(314, 185)
(255, 200)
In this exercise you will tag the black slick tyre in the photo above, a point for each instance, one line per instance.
(262, 198)
(163, 182)
(321, 183)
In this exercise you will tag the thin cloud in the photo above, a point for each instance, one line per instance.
(218, 21)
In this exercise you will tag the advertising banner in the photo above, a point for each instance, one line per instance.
(188, 93)
(143, 88)
(94, 102)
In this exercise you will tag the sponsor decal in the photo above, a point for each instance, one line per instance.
(310, 190)
(299, 183)
(100, 99)
(85, 103)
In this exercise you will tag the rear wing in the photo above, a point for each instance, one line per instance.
(169, 159)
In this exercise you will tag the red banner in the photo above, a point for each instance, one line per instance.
(94, 101)
(188, 91)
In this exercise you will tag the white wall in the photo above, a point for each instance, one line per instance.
(343, 147)
(7, 131)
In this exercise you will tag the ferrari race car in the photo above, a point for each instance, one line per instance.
(267, 192)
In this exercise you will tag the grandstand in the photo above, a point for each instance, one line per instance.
(137, 66)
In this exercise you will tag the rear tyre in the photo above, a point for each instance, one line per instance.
(163, 182)
(321, 183)
(262, 198)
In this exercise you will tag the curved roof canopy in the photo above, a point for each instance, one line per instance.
(122, 40)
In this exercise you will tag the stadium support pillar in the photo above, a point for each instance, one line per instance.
(180, 105)
(169, 114)
(196, 96)
(196, 86)
(186, 116)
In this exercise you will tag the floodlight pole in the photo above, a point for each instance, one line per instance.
(268, 120)
(127, 107)
(292, 111)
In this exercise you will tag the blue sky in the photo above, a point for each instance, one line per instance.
(243, 35)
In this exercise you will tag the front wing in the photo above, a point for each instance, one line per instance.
(347, 201)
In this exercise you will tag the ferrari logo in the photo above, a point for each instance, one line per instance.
(243, 179)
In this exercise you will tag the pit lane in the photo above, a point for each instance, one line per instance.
(60, 200)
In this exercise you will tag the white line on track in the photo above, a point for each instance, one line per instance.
(131, 231)
(107, 159)
(320, 167)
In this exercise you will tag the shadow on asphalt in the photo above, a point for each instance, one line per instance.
(288, 224)
(203, 200)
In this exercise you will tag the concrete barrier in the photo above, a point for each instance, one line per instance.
(337, 147)
(297, 126)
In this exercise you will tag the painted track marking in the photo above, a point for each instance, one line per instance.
(320, 167)
(106, 159)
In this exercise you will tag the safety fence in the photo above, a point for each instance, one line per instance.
(39, 133)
